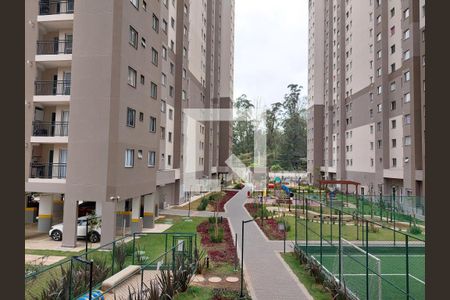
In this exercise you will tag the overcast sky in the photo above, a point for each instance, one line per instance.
(271, 48)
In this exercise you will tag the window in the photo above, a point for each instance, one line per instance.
(407, 119)
(379, 19)
(172, 68)
(392, 49)
(392, 12)
(163, 79)
(184, 51)
(185, 9)
(129, 158)
(169, 160)
(183, 95)
(135, 3)
(151, 158)
(163, 133)
(152, 126)
(154, 56)
(406, 34)
(392, 86)
(141, 117)
(406, 13)
(164, 52)
(379, 126)
(407, 140)
(371, 113)
(139, 154)
(407, 76)
(165, 3)
(379, 107)
(133, 37)
(393, 105)
(132, 77)
(144, 5)
(407, 97)
(406, 55)
(371, 97)
(379, 89)
(155, 23)
(379, 37)
(164, 26)
(380, 142)
(379, 72)
(171, 91)
(379, 54)
(163, 106)
(371, 129)
(371, 145)
(170, 114)
(184, 73)
(172, 22)
(153, 90)
(142, 79)
(392, 67)
(393, 124)
(169, 137)
(394, 143)
(394, 162)
(185, 30)
(371, 162)
(131, 117)
(172, 45)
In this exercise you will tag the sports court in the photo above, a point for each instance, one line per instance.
(388, 267)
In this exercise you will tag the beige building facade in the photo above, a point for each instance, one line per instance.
(106, 85)
(366, 100)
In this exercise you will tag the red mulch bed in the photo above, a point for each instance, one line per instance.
(269, 226)
(218, 252)
(225, 199)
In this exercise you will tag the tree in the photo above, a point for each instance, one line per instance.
(243, 130)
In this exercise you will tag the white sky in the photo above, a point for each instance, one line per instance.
(271, 48)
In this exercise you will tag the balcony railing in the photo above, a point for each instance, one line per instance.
(54, 47)
(52, 87)
(50, 128)
(47, 7)
(48, 170)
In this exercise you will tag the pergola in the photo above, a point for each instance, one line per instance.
(325, 183)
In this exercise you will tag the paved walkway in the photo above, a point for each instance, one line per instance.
(267, 276)
(184, 213)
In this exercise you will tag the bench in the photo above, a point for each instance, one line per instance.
(119, 277)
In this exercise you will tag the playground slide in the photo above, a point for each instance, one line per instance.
(286, 189)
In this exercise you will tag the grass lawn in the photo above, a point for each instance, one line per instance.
(52, 252)
(316, 290)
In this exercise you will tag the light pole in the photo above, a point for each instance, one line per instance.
(241, 296)
(189, 204)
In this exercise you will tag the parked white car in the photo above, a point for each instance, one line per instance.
(56, 231)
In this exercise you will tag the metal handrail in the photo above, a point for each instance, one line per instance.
(47, 7)
(41, 128)
(48, 170)
(54, 47)
(52, 87)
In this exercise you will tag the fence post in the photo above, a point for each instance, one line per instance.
(367, 259)
(113, 257)
(134, 248)
(340, 248)
(394, 216)
(407, 265)
(331, 218)
(91, 266)
(296, 216)
(70, 278)
(321, 232)
(306, 226)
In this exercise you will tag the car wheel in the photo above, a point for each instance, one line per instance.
(56, 235)
(94, 237)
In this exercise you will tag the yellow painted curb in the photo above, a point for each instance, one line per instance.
(45, 216)
(148, 214)
(135, 220)
(126, 213)
(30, 208)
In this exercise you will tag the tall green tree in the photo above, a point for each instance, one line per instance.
(273, 132)
(243, 131)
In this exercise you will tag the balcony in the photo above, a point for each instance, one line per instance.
(40, 170)
(52, 87)
(54, 47)
(56, 14)
(50, 132)
(47, 7)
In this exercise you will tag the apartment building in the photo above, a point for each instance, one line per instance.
(106, 85)
(366, 94)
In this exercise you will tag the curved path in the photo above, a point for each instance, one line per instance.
(267, 276)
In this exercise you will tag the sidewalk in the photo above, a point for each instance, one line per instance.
(266, 274)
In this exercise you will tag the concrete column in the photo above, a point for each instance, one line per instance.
(136, 221)
(58, 208)
(149, 213)
(45, 213)
(98, 208)
(108, 222)
(70, 220)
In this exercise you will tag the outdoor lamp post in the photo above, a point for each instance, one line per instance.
(241, 296)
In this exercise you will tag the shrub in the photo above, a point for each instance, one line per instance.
(216, 238)
(415, 230)
(203, 203)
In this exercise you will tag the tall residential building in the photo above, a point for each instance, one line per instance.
(366, 94)
(106, 85)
